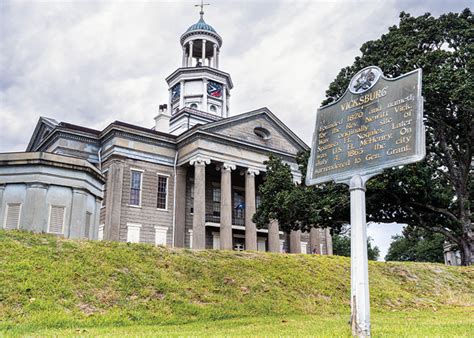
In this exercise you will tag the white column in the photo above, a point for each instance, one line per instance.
(295, 241)
(217, 59)
(224, 101)
(170, 110)
(214, 55)
(250, 207)
(273, 236)
(328, 242)
(203, 52)
(360, 305)
(94, 234)
(190, 61)
(204, 95)
(226, 206)
(199, 217)
(184, 56)
(181, 94)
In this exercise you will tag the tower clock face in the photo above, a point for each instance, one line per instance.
(214, 89)
(175, 91)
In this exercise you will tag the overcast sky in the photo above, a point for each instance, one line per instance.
(91, 63)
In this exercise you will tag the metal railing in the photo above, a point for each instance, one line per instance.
(237, 218)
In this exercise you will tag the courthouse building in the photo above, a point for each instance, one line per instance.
(189, 181)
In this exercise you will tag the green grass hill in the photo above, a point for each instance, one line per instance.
(51, 283)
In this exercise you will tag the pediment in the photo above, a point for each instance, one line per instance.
(43, 128)
(260, 128)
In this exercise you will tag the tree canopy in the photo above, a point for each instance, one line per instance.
(341, 244)
(437, 193)
(416, 246)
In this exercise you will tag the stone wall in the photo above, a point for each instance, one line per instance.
(50, 193)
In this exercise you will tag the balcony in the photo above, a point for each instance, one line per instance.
(237, 218)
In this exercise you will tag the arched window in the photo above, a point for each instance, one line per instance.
(194, 106)
(213, 108)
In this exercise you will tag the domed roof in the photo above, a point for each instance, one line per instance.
(199, 28)
(201, 25)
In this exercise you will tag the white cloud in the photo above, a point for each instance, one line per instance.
(91, 63)
(94, 62)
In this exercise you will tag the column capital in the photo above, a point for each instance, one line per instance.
(190, 43)
(204, 41)
(200, 161)
(252, 171)
(228, 166)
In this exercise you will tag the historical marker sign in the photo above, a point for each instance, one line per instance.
(376, 124)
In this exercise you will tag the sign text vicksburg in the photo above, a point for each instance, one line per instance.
(376, 124)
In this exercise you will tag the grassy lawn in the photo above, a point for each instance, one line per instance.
(458, 322)
(52, 286)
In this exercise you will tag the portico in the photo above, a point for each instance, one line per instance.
(224, 200)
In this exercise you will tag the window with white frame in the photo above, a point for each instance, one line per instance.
(162, 192)
(57, 214)
(133, 232)
(135, 187)
(161, 233)
(12, 216)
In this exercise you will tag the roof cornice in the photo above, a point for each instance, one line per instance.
(201, 69)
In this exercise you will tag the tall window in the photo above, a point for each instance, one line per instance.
(162, 192)
(216, 201)
(239, 205)
(135, 187)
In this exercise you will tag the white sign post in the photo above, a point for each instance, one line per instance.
(376, 124)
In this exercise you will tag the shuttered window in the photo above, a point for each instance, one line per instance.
(56, 219)
(12, 217)
(88, 225)
(162, 192)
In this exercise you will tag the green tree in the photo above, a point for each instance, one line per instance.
(341, 246)
(297, 206)
(417, 247)
(435, 194)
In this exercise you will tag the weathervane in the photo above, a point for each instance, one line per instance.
(202, 7)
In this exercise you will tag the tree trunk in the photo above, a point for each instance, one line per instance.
(465, 250)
